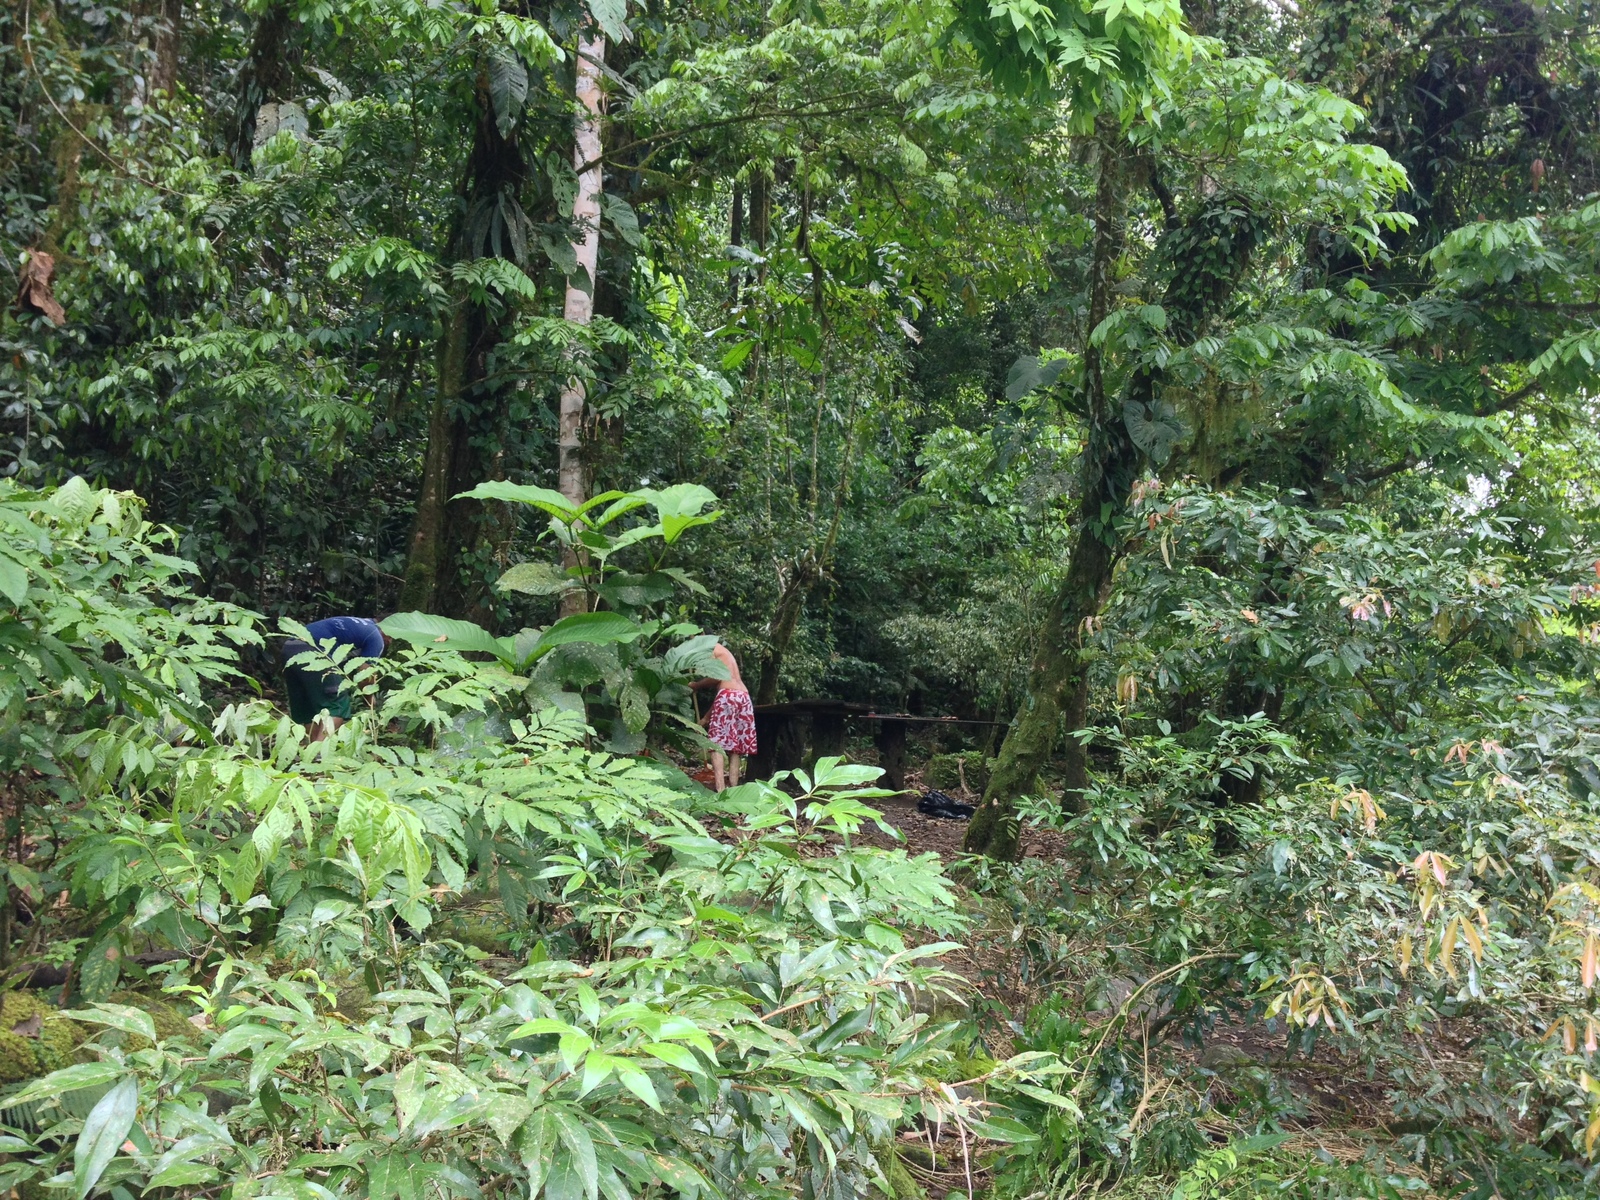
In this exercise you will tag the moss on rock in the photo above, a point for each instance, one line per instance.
(35, 1038)
(169, 1022)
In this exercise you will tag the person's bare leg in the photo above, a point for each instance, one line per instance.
(719, 766)
(733, 770)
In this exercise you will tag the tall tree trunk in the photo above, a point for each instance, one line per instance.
(1058, 686)
(579, 307)
(167, 25)
(453, 542)
(428, 530)
(1058, 666)
(267, 74)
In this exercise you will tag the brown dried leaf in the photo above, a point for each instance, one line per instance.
(34, 292)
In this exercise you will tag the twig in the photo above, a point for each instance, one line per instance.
(790, 1007)
(966, 1158)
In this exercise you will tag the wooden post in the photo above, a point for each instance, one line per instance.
(892, 753)
(827, 733)
(789, 748)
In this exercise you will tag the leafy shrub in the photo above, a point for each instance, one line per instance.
(686, 993)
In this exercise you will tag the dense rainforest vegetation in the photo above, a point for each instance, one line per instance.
(1194, 400)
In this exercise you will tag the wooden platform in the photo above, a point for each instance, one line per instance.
(798, 733)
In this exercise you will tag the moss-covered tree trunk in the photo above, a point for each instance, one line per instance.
(450, 557)
(1206, 256)
(1058, 665)
(267, 74)
(165, 23)
(785, 620)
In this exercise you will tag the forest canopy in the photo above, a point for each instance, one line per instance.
(1162, 436)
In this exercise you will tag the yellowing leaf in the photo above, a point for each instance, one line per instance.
(1474, 942)
(1447, 947)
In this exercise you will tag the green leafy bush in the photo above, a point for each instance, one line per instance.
(686, 992)
(624, 666)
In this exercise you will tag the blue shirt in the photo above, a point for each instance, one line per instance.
(360, 632)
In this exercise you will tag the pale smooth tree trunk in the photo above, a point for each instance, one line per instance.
(580, 303)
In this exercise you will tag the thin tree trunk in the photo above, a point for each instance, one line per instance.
(807, 569)
(579, 307)
(801, 575)
(736, 238)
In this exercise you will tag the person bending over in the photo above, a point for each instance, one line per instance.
(731, 723)
(315, 693)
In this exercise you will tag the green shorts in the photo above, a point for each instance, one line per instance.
(312, 692)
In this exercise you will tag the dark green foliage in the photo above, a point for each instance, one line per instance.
(1207, 395)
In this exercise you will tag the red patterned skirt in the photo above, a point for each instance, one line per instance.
(732, 723)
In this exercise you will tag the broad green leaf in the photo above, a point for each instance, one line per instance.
(508, 90)
(537, 579)
(13, 580)
(426, 629)
(576, 1138)
(551, 502)
(595, 628)
(410, 1085)
(693, 659)
(117, 1016)
(675, 1055)
(609, 15)
(69, 1079)
(104, 1131)
(637, 1082)
(1027, 374)
(679, 507)
(102, 964)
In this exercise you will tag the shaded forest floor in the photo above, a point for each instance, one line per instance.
(1327, 1102)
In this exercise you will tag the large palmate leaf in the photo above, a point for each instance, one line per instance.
(1027, 374)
